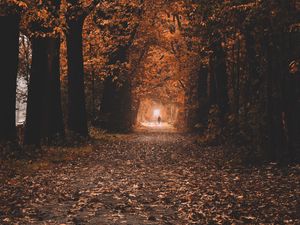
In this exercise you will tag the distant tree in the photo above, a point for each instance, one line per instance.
(252, 51)
(118, 22)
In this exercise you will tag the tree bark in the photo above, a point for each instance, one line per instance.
(53, 118)
(121, 118)
(77, 121)
(237, 82)
(9, 50)
(108, 101)
(36, 92)
(221, 76)
(253, 66)
(53, 126)
(44, 113)
(292, 100)
(274, 127)
(116, 106)
(212, 92)
(203, 96)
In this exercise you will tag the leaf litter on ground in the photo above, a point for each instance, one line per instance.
(146, 178)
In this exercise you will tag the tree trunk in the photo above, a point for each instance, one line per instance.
(44, 113)
(269, 108)
(53, 119)
(212, 92)
(77, 121)
(220, 75)
(108, 101)
(9, 50)
(274, 128)
(36, 92)
(116, 106)
(292, 100)
(237, 82)
(253, 66)
(93, 98)
(53, 126)
(203, 96)
(121, 117)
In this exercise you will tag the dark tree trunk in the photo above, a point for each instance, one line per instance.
(220, 76)
(52, 115)
(93, 98)
(292, 115)
(77, 121)
(116, 106)
(108, 102)
(273, 104)
(237, 82)
(121, 118)
(269, 100)
(53, 126)
(9, 50)
(253, 66)
(212, 92)
(203, 96)
(135, 110)
(292, 100)
(36, 92)
(108, 98)
(44, 113)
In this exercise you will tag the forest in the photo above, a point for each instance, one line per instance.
(149, 111)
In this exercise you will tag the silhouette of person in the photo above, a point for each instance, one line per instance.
(158, 119)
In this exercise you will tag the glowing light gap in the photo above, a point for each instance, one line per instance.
(156, 112)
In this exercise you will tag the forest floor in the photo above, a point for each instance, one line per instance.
(146, 178)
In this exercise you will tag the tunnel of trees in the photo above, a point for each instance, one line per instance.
(229, 70)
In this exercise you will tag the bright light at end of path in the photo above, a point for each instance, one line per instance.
(156, 112)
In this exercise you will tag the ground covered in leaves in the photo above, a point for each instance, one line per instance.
(146, 178)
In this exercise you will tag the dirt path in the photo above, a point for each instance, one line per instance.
(152, 178)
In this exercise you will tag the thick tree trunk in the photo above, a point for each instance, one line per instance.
(44, 113)
(292, 112)
(53, 120)
(77, 121)
(36, 92)
(53, 126)
(9, 50)
(292, 99)
(273, 105)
